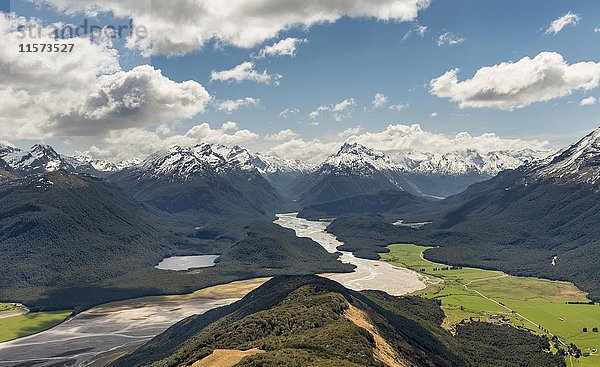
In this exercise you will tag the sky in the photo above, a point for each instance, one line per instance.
(297, 79)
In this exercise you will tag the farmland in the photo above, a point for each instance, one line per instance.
(537, 304)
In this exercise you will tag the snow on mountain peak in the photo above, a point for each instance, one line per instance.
(356, 159)
(464, 162)
(578, 163)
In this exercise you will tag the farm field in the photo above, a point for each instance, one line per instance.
(19, 326)
(493, 296)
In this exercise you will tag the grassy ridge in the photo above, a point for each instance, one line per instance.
(304, 321)
(491, 295)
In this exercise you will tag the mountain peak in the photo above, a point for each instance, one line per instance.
(354, 159)
(578, 163)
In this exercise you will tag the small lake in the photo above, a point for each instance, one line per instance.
(180, 263)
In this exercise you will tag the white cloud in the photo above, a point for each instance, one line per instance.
(230, 105)
(399, 107)
(285, 47)
(589, 101)
(449, 39)
(433, 115)
(139, 143)
(350, 132)
(227, 134)
(511, 85)
(245, 72)
(283, 135)
(312, 151)
(397, 138)
(83, 92)
(558, 24)
(136, 98)
(401, 138)
(288, 111)
(380, 100)
(182, 26)
(339, 111)
(419, 30)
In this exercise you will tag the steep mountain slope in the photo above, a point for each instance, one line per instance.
(465, 162)
(357, 170)
(200, 178)
(443, 175)
(354, 170)
(312, 321)
(105, 166)
(42, 158)
(530, 216)
(7, 173)
(59, 229)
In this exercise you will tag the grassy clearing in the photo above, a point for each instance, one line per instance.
(9, 309)
(492, 296)
(31, 323)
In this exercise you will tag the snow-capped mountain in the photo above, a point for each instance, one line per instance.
(180, 163)
(103, 165)
(354, 170)
(40, 159)
(578, 163)
(357, 160)
(186, 162)
(206, 177)
(465, 162)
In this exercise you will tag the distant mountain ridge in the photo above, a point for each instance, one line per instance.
(210, 178)
(41, 159)
(465, 162)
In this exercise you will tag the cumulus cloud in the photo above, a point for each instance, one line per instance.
(136, 98)
(512, 85)
(285, 47)
(589, 101)
(558, 24)
(288, 111)
(449, 39)
(227, 134)
(380, 100)
(83, 92)
(283, 135)
(245, 72)
(231, 105)
(182, 26)
(339, 111)
(139, 143)
(311, 151)
(401, 138)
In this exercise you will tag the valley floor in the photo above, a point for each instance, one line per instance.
(536, 304)
(105, 332)
(369, 274)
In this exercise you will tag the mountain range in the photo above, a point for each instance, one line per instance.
(354, 169)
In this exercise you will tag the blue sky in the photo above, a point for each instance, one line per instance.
(355, 58)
